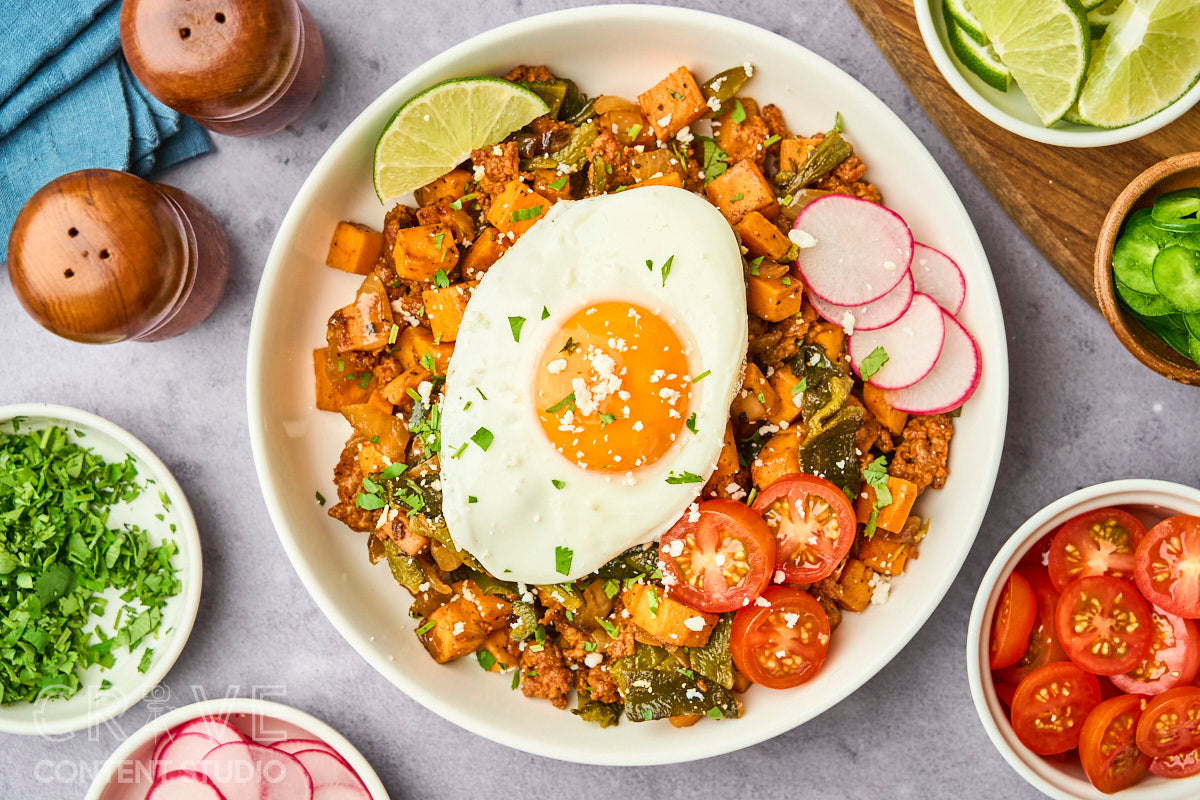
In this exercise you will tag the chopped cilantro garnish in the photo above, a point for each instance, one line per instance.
(369, 502)
(785, 280)
(653, 602)
(715, 159)
(482, 437)
(772, 139)
(650, 264)
(634, 130)
(514, 324)
(472, 498)
(393, 334)
(440, 278)
(462, 448)
(589, 647)
(523, 214)
(570, 347)
(800, 387)
(683, 477)
(569, 400)
(606, 420)
(609, 628)
(753, 494)
(144, 664)
(562, 559)
(392, 471)
(687, 673)
(714, 713)
(481, 394)
(611, 587)
(557, 483)
(666, 269)
(426, 628)
(876, 477)
(437, 244)
(320, 499)
(560, 184)
(516, 681)
(691, 422)
(702, 376)
(873, 363)
(545, 313)
(486, 659)
(736, 197)
(755, 264)
(738, 115)
(676, 95)
(428, 361)
(458, 204)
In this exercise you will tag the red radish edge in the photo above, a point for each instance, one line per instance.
(872, 316)
(952, 380)
(184, 752)
(212, 727)
(251, 771)
(183, 785)
(913, 344)
(938, 275)
(853, 244)
(294, 746)
(329, 770)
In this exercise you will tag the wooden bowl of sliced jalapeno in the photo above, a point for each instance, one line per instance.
(1147, 268)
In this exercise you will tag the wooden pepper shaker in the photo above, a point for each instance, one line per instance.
(238, 67)
(100, 256)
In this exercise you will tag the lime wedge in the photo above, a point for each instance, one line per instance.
(1099, 16)
(1045, 43)
(981, 59)
(1147, 59)
(959, 12)
(1088, 5)
(436, 130)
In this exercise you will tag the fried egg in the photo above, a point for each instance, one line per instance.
(586, 402)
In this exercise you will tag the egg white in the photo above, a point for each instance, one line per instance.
(500, 503)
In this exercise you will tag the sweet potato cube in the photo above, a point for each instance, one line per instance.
(774, 299)
(787, 387)
(457, 221)
(757, 399)
(365, 324)
(667, 620)
(552, 184)
(728, 465)
(762, 237)
(673, 103)
(497, 645)
(855, 585)
(892, 516)
(417, 351)
(449, 188)
(334, 392)
(516, 209)
(876, 402)
(423, 250)
(397, 389)
(793, 153)
(489, 245)
(457, 631)
(387, 431)
(884, 555)
(668, 179)
(741, 189)
(778, 457)
(354, 248)
(830, 337)
(371, 459)
(445, 307)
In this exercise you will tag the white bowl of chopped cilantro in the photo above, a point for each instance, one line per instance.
(99, 569)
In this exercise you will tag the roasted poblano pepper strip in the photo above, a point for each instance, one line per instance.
(714, 661)
(832, 150)
(553, 93)
(630, 564)
(573, 155)
(644, 656)
(659, 693)
(570, 599)
(724, 85)
(405, 569)
(527, 621)
(577, 107)
(825, 386)
(487, 584)
(830, 453)
(603, 714)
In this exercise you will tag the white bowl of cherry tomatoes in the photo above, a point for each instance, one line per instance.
(1083, 650)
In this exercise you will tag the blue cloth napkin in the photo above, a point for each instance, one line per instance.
(68, 101)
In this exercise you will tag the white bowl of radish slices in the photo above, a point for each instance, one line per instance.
(896, 298)
(236, 749)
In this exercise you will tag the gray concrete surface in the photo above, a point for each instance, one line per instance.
(1082, 411)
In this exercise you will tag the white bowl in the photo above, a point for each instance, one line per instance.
(1151, 501)
(124, 775)
(1011, 111)
(623, 50)
(93, 705)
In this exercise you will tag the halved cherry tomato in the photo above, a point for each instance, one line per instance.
(781, 640)
(1168, 566)
(1181, 765)
(1014, 619)
(1107, 747)
(1050, 705)
(1005, 692)
(1170, 725)
(718, 559)
(813, 523)
(1100, 542)
(1104, 624)
(1037, 556)
(1044, 647)
(1173, 660)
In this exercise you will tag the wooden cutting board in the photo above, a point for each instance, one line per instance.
(1058, 196)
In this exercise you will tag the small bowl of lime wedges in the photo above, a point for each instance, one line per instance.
(1073, 73)
(1147, 268)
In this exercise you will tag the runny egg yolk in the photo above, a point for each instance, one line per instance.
(612, 387)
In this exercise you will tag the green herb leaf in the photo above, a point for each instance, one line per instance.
(486, 659)
(559, 184)
(666, 269)
(738, 115)
(440, 278)
(611, 587)
(715, 160)
(369, 502)
(873, 363)
(714, 713)
(472, 499)
(653, 602)
(800, 387)
(736, 197)
(702, 376)
(557, 483)
(393, 471)
(569, 400)
(683, 477)
(606, 420)
(483, 438)
(634, 130)
(562, 559)
(545, 313)
(691, 423)
(320, 502)
(426, 628)
(609, 628)
(770, 141)
(514, 324)
(523, 214)
(570, 347)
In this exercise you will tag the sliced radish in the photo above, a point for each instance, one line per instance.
(938, 276)
(851, 251)
(213, 727)
(184, 785)
(912, 344)
(952, 380)
(294, 746)
(874, 315)
(341, 793)
(184, 752)
(249, 771)
(329, 772)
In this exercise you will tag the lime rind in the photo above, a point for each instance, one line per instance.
(1100, 16)
(959, 12)
(1147, 59)
(436, 130)
(1046, 44)
(980, 59)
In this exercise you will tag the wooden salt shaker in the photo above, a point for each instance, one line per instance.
(100, 256)
(238, 67)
